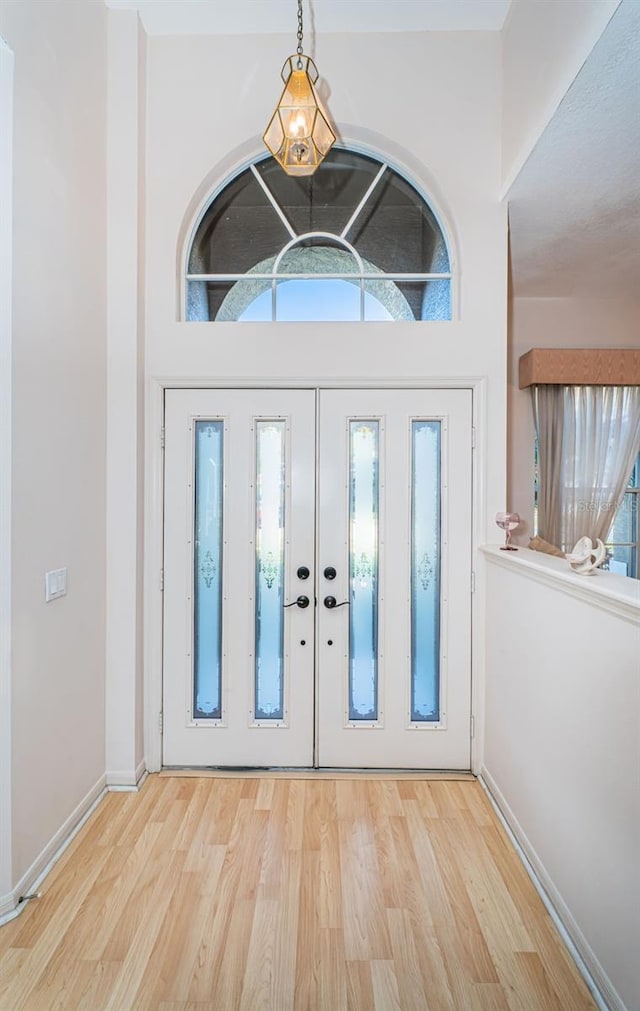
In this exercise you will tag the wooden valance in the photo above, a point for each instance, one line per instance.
(580, 367)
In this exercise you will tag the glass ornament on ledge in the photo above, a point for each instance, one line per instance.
(508, 522)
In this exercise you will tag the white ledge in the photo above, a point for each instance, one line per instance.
(605, 590)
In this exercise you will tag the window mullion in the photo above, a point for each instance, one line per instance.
(272, 200)
(356, 214)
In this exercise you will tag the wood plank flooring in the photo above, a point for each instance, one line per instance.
(208, 894)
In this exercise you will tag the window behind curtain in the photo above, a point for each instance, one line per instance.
(623, 544)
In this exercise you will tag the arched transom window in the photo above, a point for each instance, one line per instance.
(354, 241)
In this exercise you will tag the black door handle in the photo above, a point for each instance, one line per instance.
(301, 601)
(331, 602)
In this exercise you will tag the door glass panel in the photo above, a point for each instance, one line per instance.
(363, 569)
(425, 571)
(209, 442)
(269, 618)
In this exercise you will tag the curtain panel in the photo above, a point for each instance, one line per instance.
(588, 442)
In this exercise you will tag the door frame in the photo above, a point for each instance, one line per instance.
(154, 530)
(7, 899)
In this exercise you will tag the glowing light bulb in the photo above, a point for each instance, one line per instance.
(299, 126)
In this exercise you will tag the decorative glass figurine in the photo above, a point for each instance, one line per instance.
(508, 522)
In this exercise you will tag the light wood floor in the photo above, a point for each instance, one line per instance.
(277, 895)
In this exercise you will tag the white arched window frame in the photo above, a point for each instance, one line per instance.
(268, 275)
(369, 278)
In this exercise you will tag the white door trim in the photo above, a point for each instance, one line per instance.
(154, 526)
(6, 287)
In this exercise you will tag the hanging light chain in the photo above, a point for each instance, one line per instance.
(299, 47)
(299, 134)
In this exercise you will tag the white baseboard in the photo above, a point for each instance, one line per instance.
(600, 986)
(125, 781)
(10, 904)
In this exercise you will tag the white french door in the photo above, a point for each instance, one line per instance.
(317, 578)
(394, 519)
(239, 506)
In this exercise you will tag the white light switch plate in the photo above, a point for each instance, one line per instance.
(55, 584)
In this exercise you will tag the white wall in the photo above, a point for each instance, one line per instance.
(544, 45)
(6, 245)
(562, 751)
(553, 323)
(125, 398)
(58, 473)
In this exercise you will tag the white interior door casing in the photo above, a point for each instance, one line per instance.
(393, 738)
(239, 736)
(319, 642)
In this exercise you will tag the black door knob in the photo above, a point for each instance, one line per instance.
(301, 601)
(330, 572)
(331, 602)
(303, 572)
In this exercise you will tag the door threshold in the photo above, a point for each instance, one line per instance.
(250, 772)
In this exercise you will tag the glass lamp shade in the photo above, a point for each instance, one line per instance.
(299, 135)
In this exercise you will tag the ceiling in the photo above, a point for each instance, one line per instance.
(574, 210)
(241, 17)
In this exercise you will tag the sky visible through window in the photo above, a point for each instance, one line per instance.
(315, 299)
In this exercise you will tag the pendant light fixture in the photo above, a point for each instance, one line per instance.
(299, 135)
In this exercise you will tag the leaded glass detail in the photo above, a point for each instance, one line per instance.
(425, 570)
(269, 598)
(364, 438)
(207, 575)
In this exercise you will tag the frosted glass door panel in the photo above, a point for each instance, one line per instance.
(207, 590)
(425, 570)
(270, 527)
(363, 569)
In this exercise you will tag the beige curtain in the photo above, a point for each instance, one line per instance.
(588, 442)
